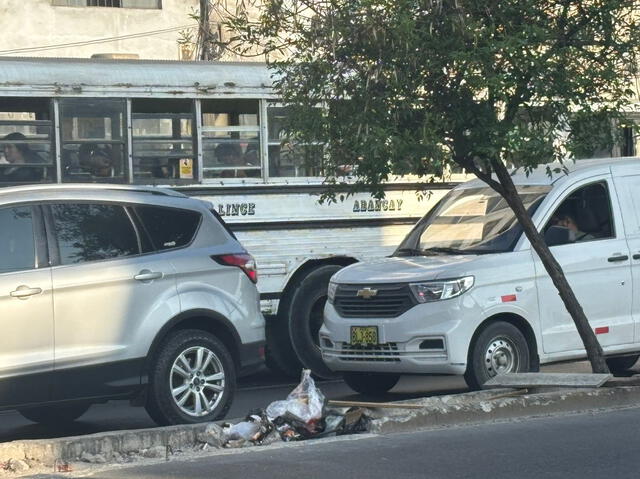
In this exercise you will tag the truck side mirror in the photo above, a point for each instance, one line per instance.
(556, 235)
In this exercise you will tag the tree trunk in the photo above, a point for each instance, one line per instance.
(591, 344)
(205, 31)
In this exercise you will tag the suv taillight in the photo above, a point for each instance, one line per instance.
(244, 261)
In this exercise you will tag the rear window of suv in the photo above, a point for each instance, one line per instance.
(168, 228)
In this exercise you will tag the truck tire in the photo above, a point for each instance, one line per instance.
(306, 317)
(192, 379)
(279, 354)
(499, 348)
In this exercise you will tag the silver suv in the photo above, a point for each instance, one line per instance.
(110, 292)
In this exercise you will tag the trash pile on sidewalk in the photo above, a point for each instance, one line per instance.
(303, 415)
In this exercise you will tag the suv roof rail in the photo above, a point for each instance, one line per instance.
(94, 186)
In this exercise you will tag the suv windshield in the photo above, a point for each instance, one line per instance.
(470, 221)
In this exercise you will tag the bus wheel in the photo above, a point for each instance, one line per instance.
(306, 317)
(279, 354)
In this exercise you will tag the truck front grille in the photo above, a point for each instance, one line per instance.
(389, 301)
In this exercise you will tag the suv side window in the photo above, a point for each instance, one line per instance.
(584, 215)
(17, 244)
(168, 227)
(93, 232)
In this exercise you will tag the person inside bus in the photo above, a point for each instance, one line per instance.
(96, 160)
(17, 154)
(230, 154)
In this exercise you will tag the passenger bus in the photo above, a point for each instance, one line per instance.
(214, 131)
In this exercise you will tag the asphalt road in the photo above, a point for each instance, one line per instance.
(254, 392)
(579, 446)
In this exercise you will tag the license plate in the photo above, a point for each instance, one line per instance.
(364, 335)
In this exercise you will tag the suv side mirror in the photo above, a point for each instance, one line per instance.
(556, 235)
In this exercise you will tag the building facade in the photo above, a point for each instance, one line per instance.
(150, 29)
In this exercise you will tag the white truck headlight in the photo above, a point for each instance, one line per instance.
(438, 290)
(331, 292)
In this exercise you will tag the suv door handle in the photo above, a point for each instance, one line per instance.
(147, 275)
(636, 256)
(23, 292)
(613, 259)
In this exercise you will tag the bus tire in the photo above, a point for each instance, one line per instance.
(306, 316)
(280, 357)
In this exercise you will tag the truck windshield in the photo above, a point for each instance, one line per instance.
(470, 221)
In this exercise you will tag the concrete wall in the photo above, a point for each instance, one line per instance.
(36, 23)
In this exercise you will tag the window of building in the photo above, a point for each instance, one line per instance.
(93, 142)
(163, 137)
(93, 232)
(168, 227)
(109, 3)
(231, 139)
(285, 157)
(26, 141)
(16, 240)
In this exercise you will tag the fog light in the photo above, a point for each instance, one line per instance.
(432, 344)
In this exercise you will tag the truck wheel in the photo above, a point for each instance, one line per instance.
(55, 415)
(306, 317)
(371, 384)
(500, 348)
(192, 379)
(621, 364)
(279, 354)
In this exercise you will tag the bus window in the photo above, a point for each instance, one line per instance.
(231, 139)
(163, 140)
(26, 141)
(285, 157)
(93, 142)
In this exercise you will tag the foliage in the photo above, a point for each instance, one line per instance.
(413, 86)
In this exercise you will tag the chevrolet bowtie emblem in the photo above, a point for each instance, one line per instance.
(367, 293)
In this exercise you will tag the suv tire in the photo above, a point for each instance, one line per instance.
(55, 415)
(190, 368)
(499, 348)
(371, 384)
(305, 320)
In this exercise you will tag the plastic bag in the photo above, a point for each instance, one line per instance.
(246, 430)
(305, 403)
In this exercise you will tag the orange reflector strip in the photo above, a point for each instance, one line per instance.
(603, 330)
(508, 298)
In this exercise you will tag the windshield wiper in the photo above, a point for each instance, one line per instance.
(408, 252)
(446, 250)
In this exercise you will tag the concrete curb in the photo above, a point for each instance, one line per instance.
(468, 408)
(479, 407)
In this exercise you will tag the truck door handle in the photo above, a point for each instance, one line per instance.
(613, 259)
(147, 275)
(23, 292)
(636, 256)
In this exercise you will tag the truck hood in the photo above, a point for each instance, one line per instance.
(406, 269)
